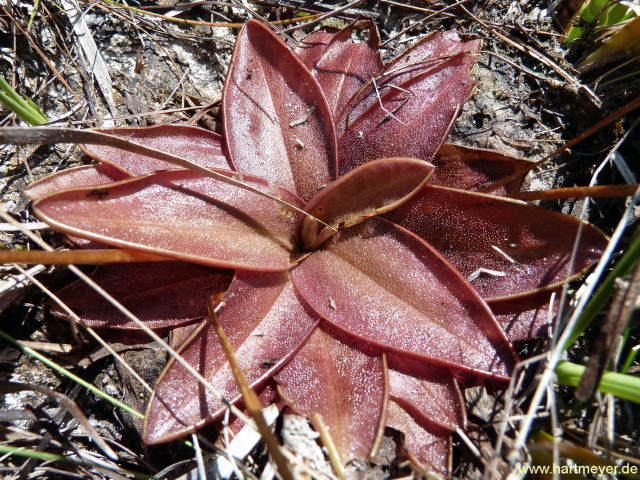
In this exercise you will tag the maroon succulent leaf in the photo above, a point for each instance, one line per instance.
(197, 145)
(371, 189)
(382, 284)
(474, 168)
(433, 46)
(423, 100)
(429, 54)
(266, 325)
(348, 388)
(312, 47)
(94, 176)
(427, 445)
(429, 393)
(181, 215)
(522, 248)
(340, 65)
(86, 176)
(160, 294)
(277, 122)
(520, 324)
(456, 166)
(402, 96)
(267, 395)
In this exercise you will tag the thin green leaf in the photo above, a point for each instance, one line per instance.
(69, 375)
(53, 457)
(25, 113)
(9, 90)
(25, 109)
(33, 105)
(618, 384)
(36, 4)
(622, 268)
(630, 359)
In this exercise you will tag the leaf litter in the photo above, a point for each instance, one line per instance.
(507, 137)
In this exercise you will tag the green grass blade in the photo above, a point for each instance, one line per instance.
(69, 375)
(595, 306)
(25, 109)
(36, 4)
(54, 457)
(611, 13)
(25, 113)
(4, 85)
(37, 109)
(618, 384)
(630, 359)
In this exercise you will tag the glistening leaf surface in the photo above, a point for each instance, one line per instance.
(160, 294)
(181, 215)
(340, 65)
(380, 283)
(197, 145)
(277, 122)
(520, 325)
(473, 168)
(265, 324)
(311, 48)
(345, 386)
(428, 392)
(428, 446)
(521, 247)
(73, 178)
(420, 100)
(433, 46)
(85, 176)
(371, 189)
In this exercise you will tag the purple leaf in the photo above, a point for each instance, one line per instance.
(422, 100)
(76, 177)
(160, 294)
(473, 168)
(90, 175)
(521, 325)
(313, 46)
(420, 286)
(184, 216)
(429, 393)
(267, 395)
(197, 145)
(352, 399)
(433, 46)
(385, 286)
(265, 324)
(371, 189)
(276, 119)
(341, 66)
(428, 446)
(507, 249)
